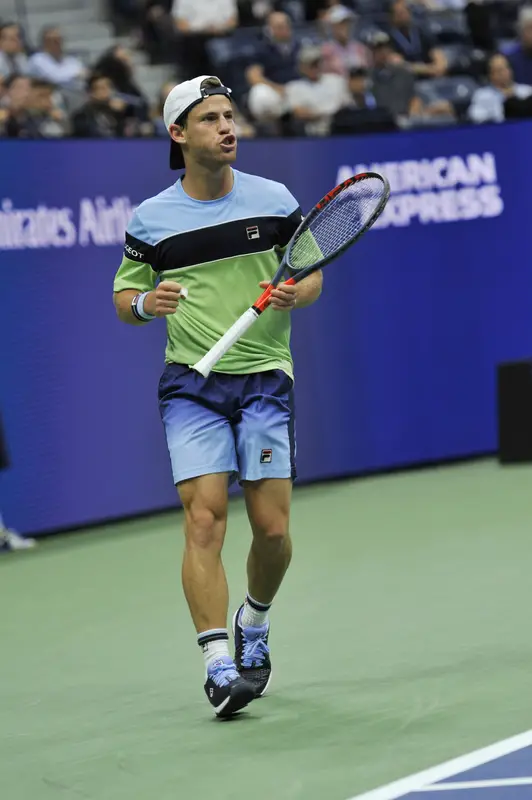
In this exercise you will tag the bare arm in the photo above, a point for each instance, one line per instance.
(436, 69)
(286, 298)
(255, 75)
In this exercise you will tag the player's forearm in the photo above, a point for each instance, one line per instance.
(309, 289)
(122, 301)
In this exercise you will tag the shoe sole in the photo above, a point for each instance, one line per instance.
(239, 698)
(263, 692)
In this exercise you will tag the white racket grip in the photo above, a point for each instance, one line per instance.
(223, 345)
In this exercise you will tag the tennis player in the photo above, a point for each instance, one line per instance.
(197, 254)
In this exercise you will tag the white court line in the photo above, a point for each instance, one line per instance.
(450, 787)
(448, 769)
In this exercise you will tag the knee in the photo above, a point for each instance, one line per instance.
(273, 533)
(205, 526)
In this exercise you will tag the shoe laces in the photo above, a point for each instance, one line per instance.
(254, 647)
(223, 673)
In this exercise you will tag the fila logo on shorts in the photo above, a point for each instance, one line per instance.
(253, 232)
(266, 457)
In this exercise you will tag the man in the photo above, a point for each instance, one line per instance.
(13, 60)
(275, 66)
(41, 119)
(196, 22)
(102, 116)
(413, 46)
(214, 237)
(521, 58)
(342, 53)
(393, 85)
(488, 103)
(316, 97)
(52, 65)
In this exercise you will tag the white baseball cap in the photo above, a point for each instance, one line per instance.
(339, 14)
(180, 100)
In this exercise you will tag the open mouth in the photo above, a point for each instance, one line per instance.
(228, 143)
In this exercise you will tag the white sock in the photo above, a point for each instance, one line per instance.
(214, 644)
(255, 614)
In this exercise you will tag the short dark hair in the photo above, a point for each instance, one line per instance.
(93, 78)
(358, 72)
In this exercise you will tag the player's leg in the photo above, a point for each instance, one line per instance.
(202, 451)
(266, 450)
(268, 506)
(204, 583)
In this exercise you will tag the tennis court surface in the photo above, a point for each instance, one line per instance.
(400, 641)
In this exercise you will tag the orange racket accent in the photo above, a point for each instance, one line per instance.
(264, 300)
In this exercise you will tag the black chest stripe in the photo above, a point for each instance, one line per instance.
(238, 238)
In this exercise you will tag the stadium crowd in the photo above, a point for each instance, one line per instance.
(296, 67)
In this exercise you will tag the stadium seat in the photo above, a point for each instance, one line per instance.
(456, 90)
(448, 27)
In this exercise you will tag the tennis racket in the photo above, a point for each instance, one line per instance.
(334, 224)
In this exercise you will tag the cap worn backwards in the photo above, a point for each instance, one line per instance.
(181, 100)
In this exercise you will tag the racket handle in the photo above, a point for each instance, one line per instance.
(223, 345)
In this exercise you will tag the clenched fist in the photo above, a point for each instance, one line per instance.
(164, 300)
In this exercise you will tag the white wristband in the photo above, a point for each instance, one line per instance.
(140, 307)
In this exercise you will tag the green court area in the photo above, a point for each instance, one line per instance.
(401, 638)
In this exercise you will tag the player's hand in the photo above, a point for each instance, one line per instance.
(164, 300)
(283, 297)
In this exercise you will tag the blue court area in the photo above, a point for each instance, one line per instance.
(502, 771)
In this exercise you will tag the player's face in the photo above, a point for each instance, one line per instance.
(209, 134)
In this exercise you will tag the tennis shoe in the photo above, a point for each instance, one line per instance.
(227, 691)
(11, 540)
(252, 654)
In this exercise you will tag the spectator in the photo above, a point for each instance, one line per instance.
(51, 64)
(9, 539)
(316, 96)
(157, 31)
(343, 53)
(15, 103)
(197, 21)
(116, 65)
(360, 93)
(13, 60)
(102, 116)
(393, 85)
(521, 58)
(43, 119)
(276, 65)
(488, 102)
(412, 45)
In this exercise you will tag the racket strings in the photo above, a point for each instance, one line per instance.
(338, 223)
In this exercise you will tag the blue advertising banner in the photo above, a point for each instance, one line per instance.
(394, 366)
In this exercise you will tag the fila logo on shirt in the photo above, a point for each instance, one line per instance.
(266, 457)
(253, 232)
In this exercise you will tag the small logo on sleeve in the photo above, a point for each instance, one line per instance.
(253, 232)
(133, 253)
(266, 457)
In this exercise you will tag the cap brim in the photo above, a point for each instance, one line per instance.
(176, 156)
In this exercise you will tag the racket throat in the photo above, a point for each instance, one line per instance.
(265, 299)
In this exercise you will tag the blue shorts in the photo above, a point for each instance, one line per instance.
(241, 424)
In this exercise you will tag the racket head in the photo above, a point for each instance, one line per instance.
(336, 222)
